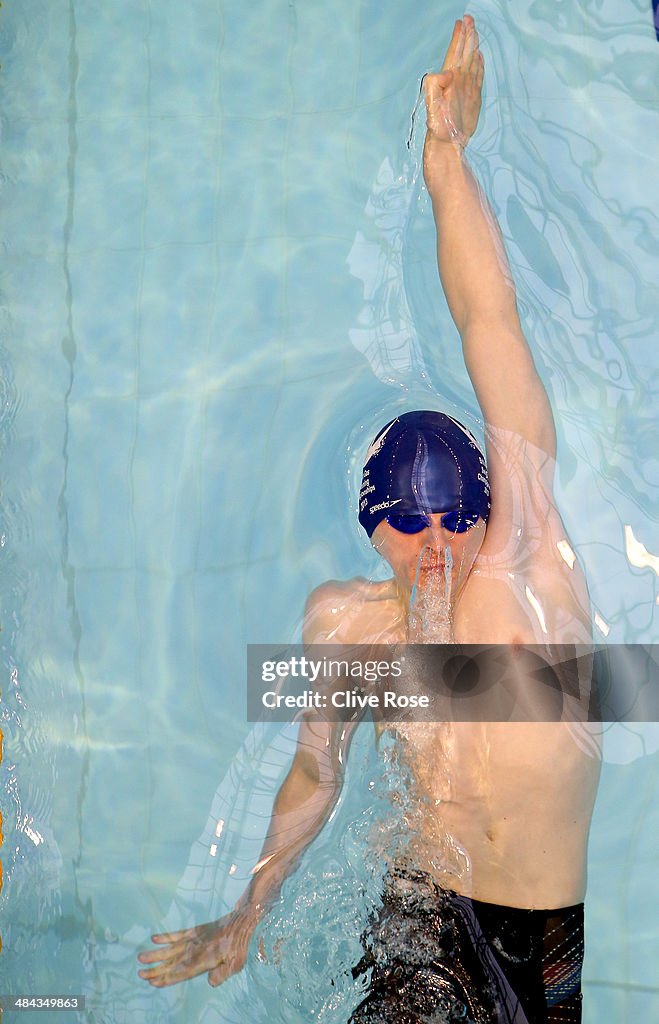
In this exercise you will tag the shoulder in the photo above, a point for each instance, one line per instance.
(337, 610)
(335, 590)
(326, 608)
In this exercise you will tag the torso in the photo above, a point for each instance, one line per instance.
(504, 808)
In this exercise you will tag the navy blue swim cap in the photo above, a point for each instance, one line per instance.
(423, 462)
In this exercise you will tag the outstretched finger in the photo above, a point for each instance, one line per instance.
(161, 937)
(155, 975)
(218, 975)
(153, 956)
(152, 974)
(455, 47)
(471, 42)
(170, 974)
(481, 69)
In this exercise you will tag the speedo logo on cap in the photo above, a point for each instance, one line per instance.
(383, 504)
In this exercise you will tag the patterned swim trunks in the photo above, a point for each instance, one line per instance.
(436, 956)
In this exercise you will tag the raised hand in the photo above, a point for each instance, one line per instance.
(219, 947)
(453, 95)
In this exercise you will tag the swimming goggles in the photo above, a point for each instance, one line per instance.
(454, 522)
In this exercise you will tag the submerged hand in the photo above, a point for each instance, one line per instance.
(453, 96)
(219, 947)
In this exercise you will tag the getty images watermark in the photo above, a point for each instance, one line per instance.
(454, 682)
(320, 677)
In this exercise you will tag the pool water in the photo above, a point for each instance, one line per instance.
(218, 279)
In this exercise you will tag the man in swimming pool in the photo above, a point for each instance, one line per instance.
(493, 884)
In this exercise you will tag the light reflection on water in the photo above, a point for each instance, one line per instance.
(252, 291)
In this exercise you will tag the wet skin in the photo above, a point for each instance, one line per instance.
(511, 801)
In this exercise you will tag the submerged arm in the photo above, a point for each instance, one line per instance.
(301, 808)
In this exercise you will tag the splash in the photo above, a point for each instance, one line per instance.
(430, 618)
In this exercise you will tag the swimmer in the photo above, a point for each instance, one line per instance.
(491, 890)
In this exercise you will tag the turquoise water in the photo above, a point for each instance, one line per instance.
(218, 278)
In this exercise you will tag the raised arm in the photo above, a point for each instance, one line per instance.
(472, 262)
(302, 806)
(525, 527)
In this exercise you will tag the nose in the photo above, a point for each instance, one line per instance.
(435, 546)
(437, 534)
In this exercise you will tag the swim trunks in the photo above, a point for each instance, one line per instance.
(436, 956)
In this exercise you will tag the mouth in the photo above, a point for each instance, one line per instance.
(433, 564)
(429, 572)
(431, 558)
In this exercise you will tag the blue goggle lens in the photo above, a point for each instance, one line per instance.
(459, 522)
(408, 523)
(454, 522)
